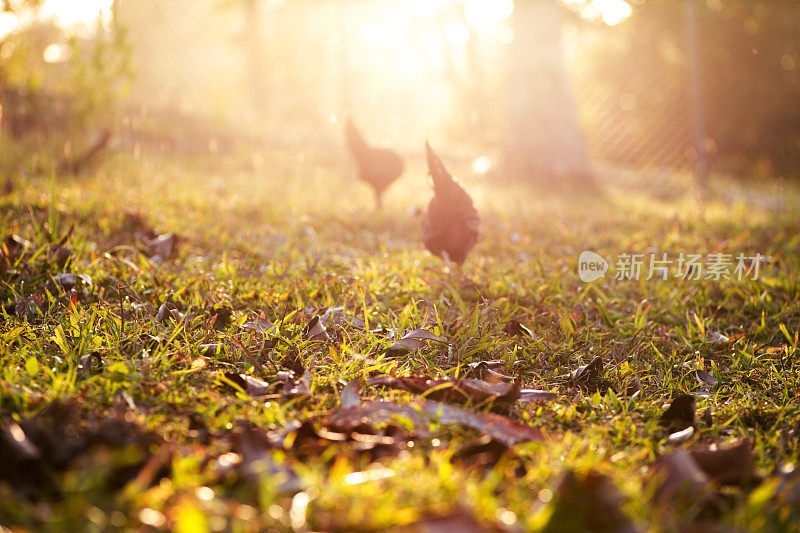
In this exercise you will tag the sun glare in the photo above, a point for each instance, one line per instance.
(457, 33)
(68, 13)
(389, 34)
(423, 8)
(65, 13)
(8, 23)
(611, 12)
(486, 14)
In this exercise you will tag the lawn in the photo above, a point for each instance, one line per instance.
(230, 383)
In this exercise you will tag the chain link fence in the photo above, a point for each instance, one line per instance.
(210, 73)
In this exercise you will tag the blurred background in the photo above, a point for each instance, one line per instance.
(544, 89)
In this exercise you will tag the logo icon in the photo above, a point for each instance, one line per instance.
(591, 266)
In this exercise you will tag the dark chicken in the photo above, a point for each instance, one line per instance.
(379, 167)
(451, 225)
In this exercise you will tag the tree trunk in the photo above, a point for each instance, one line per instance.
(256, 63)
(543, 141)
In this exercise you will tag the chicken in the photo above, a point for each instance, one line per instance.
(379, 167)
(451, 225)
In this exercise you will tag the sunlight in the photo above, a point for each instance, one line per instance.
(8, 23)
(423, 8)
(611, 12)
(68, 13)
(481, 165)
(457, 33)
(390, 35)
(65, 13)
(55, 53)
(485, 14)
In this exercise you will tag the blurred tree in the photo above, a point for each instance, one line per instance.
(58, 80)
(543, 140)
(635, 90)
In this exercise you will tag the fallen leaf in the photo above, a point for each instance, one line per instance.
(728, 465)
(299, 388)
(707, 417)
(68, 280)
(679, 437)
(534, 395)
(60, 255)
(259, 325)
(164, 246)
(486, 370)
(350, 396)
(90, 364)
(499, 427)
(167, 310)
(587, 502)
(589, 376)
(252, 385)
(788, 490)
(221, 316)
(482, 452)
(315, 330)
(210, 349)
(718, 337)
(453, 390)
(705, 378)
(257, 463)
(64, 431)
(335, 316)
(414, 341)
(680, 413)
(370, 414)
(678, 477)
(513, 328)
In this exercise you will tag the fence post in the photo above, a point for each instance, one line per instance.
(696, 92)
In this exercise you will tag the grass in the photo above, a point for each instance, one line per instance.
(285, 237)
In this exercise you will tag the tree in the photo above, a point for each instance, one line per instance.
(542, 139)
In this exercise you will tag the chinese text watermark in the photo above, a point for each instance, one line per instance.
(662, 266)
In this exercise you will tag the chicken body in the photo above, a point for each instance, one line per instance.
(379, 167)
(451, 225)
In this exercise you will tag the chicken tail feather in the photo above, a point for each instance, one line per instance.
(441, 177)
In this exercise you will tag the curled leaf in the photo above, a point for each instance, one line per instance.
(705, 378)
(414, 341)
(315, 330)
(515, 328)
(728, 465)
(679, 437)
(487, 370)
(252, 385)
(680, 413)
(534, 395)
(259, 325)
(335, 316)
(589, 376)
(718, 337)
(499, 427)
